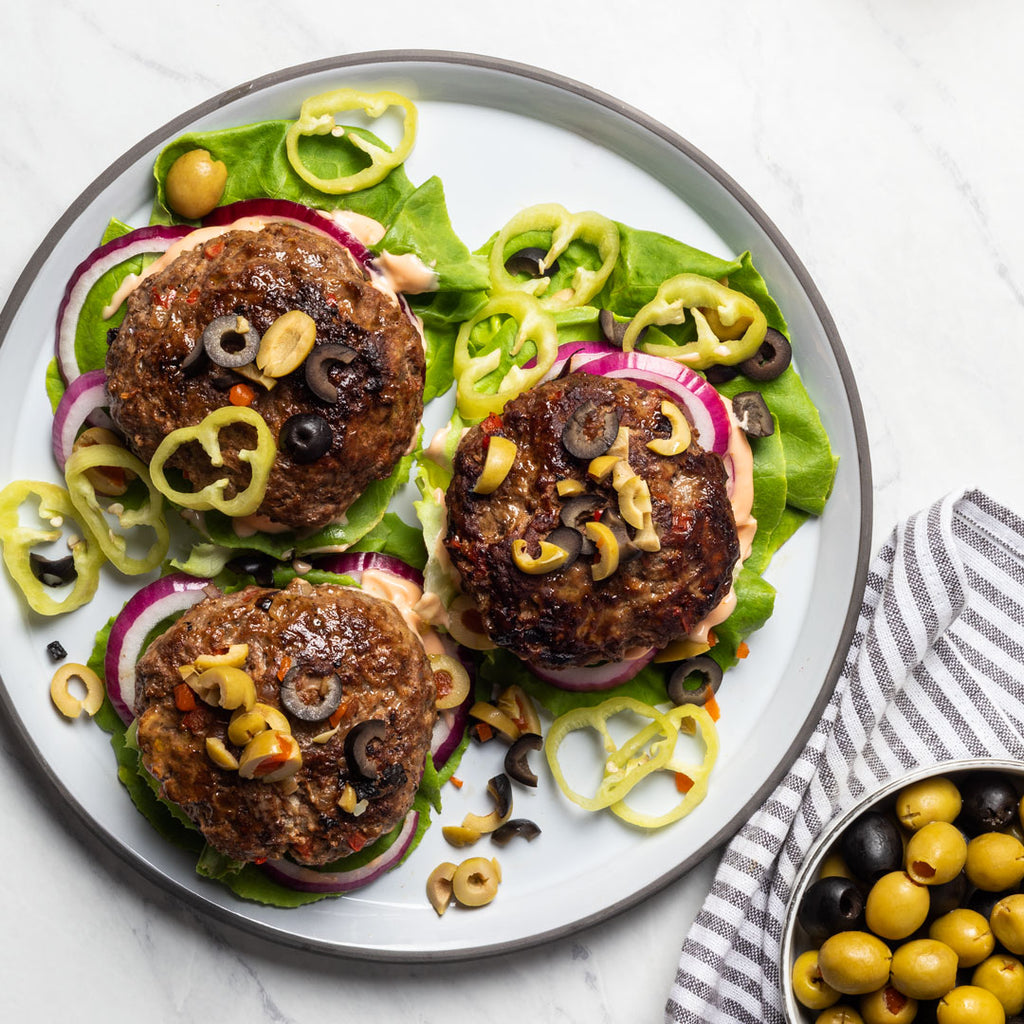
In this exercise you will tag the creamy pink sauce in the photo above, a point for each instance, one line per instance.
(742, 501)
(405, 595)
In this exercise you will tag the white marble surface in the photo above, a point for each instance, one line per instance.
(884, 139)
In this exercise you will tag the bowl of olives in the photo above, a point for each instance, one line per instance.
(910, 905)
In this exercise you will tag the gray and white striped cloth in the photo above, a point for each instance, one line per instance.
(935, 672)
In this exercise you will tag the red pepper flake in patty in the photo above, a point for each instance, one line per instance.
(212, 249)
(492, 424)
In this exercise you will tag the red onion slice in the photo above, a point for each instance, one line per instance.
(155, 238)
(143, 612)
(594, 677)
(574, 351)
(284, 209)
(85, 396)
(355, 563)
(704, 404)
(295, 876)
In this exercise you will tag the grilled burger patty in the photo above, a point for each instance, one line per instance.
(261, 275)
(318, 631)
(566, 618)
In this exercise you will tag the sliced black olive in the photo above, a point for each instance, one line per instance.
(294, 696)
(569, 540)
(516, 764)
(719, 373)
(55, 649)
(575, 513)
(501, 791)
(306, 437)
(53, 572)
(752, 414)
(255, 564)
(530, 261)
(770, 360)
(590, 432)
(318, 365)
(358, 739)
(226, 345)
(504, 834)
(613, 330)
(709, 678)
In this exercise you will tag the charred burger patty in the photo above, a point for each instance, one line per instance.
(565, 617)
(305, 646)
(160, 376)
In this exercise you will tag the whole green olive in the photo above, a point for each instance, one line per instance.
(809, 987)
(969, 1004)
(1003, 976)
(839, 1014)
(1007, 922)
(194, 184)
(854, 962)
(896, 906)
(995, 861)
(967, 933)
(924, 968)
(887, 1005)
(936, 853)
(928, 800)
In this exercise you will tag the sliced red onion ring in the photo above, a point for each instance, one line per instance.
(355, 563)
(572, 352)
(704, 404)
(294, 876)
(155, 238)
(85, 396)
(594, 677)
(284, 209)
(143, 612)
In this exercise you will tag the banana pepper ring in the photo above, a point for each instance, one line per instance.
(698, 774)
(564, 226)
(644, 752)
(316, 117)
(83, 497)
(693, 292)
(534, 324)
(54, 507)
(207, 434)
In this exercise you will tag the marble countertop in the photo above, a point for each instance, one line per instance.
(882, 139)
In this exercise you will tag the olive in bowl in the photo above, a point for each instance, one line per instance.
(918, 851)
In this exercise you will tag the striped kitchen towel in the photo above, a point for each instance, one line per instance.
(935, 672)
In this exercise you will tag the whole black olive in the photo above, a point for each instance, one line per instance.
(255, 564)
(989, 803)
(770, 360)
(872, 846)
(719, 373)
(306, 437)
(830, 905)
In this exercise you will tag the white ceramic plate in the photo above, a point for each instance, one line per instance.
(501, 137)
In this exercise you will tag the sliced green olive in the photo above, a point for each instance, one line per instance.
(679, 440)
(607, 550)
(551, 557)
(501, 454)
(224, 686)
(286, 343)
(475, 882)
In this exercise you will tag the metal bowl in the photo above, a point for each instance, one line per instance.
(794, 939)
